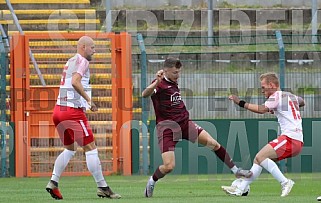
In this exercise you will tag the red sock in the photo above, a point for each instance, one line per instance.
(224, 156)
(158, 175)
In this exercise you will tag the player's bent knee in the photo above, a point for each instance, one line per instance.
(169, 168)
(258, 159)
(217, 146)
(89, 147)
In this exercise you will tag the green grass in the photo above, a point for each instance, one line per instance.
(173, 188)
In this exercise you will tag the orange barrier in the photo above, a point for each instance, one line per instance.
(124, 94)
(36, 142)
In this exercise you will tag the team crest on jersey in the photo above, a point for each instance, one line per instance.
(176, 98)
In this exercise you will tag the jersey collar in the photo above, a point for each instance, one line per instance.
(168, 80)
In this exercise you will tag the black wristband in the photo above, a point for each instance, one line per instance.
(242, 103)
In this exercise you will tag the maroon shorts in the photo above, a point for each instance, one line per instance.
(286, 147)
(170, 133)
(72, 125)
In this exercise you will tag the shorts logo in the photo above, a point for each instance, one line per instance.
(275, 140)
(197, 127)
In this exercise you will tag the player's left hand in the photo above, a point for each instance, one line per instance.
(234, 98)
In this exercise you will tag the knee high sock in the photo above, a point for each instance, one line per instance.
(94, 166)
(61, 163)
(256, 170)
(157, 175)
(272, 168)
(225, 157)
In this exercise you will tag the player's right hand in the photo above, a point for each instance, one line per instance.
(234, 98)
(160, 75)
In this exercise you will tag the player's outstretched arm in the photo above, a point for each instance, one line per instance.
(261, 109)
(150, 89)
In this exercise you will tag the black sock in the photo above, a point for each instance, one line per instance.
(225, 157)
(158, 175)
(104, 188)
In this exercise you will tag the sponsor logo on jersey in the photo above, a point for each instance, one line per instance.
(176, 98)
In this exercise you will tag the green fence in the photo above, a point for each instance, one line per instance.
(236, 54)
(232, 64)
(6, 128)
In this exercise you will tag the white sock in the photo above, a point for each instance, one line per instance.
(152, 180)
(272, 168)
(234, 169)
(256, 170)
(94, 166)
(61, 163)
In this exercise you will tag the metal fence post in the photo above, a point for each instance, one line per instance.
(144, 102)
(11, 150)
(314, 21)
(279, 39)
(210, 27)
(3, 117)
(108, 15)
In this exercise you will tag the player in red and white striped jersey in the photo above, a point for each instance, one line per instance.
(71, 122)
(285, 106)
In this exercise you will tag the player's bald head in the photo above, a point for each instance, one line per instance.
(85, 40)
(86, 47)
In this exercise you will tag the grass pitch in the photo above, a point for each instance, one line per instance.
(173, 188)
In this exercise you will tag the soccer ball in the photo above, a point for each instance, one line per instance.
(237, 183)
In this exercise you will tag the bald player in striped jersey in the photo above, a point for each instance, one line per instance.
(71, 122)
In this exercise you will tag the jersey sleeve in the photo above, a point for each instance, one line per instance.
(158, 87)
(273, 101)
(82, 65)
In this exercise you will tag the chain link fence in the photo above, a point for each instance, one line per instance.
(233, 64)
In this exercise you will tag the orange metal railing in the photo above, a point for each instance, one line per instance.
(37, 144)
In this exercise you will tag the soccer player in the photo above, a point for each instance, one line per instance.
(286, 108)
(71, 122)
(173, 123)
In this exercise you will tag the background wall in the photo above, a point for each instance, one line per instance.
(242, 139)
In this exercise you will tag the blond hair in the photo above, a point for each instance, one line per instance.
(270, 77)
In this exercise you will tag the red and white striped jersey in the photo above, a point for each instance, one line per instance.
(286, 108)
(68, 96)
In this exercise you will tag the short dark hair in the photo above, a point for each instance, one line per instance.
(172, 62)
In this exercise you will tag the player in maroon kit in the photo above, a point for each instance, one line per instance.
(173, 123)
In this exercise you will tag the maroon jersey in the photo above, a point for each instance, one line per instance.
(168, 103)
